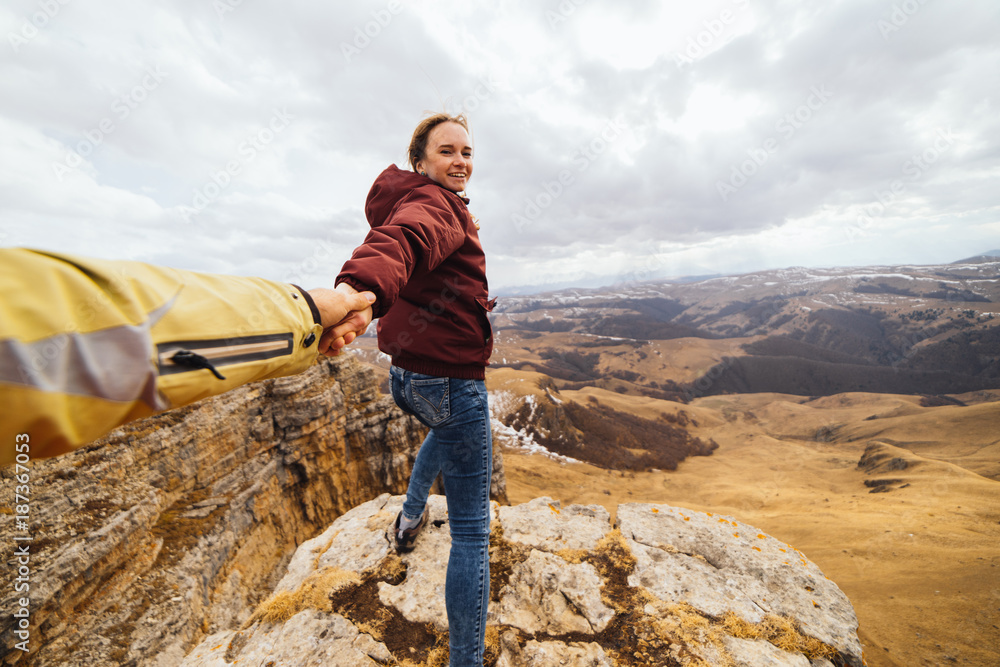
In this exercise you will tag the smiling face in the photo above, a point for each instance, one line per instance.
(448, 157)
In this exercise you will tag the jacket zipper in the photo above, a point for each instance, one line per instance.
(183, 356)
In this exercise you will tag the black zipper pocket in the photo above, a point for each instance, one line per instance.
(183, 356)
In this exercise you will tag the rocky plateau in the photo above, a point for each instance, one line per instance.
(659, 585)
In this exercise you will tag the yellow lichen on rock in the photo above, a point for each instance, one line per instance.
(616, 548)
(313, 593)
(779, 631)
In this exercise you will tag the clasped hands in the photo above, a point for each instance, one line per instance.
(345, 313)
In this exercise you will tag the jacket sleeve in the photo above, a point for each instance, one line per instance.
(422, 232)
(87, 345)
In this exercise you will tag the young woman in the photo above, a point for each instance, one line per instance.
(423, 260)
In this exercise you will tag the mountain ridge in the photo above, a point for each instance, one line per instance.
(598, 281)
(894, 329)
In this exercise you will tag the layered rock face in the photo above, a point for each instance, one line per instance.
(173, 528)
(661, 586)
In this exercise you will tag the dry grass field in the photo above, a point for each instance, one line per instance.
(917, 549)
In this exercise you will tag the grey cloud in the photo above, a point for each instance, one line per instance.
(356, 95)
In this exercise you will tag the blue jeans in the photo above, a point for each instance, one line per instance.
(460, 447)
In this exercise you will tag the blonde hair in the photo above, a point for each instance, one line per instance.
(418, 143)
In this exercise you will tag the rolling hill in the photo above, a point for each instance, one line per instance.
(899, 329)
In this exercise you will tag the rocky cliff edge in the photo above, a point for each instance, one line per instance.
(660, 586)
(174, 527)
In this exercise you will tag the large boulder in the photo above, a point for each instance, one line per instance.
(661, 586)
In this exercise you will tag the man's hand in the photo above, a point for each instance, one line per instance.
(346, 314)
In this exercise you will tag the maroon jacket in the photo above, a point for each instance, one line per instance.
(423, 260)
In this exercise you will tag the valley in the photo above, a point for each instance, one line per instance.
(854, 413)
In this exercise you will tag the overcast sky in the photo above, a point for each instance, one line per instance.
(626, 140)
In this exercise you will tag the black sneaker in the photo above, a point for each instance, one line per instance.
(404, 539)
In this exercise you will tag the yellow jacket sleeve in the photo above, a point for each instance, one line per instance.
(87, 345)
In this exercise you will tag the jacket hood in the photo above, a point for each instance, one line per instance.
(391, 186)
